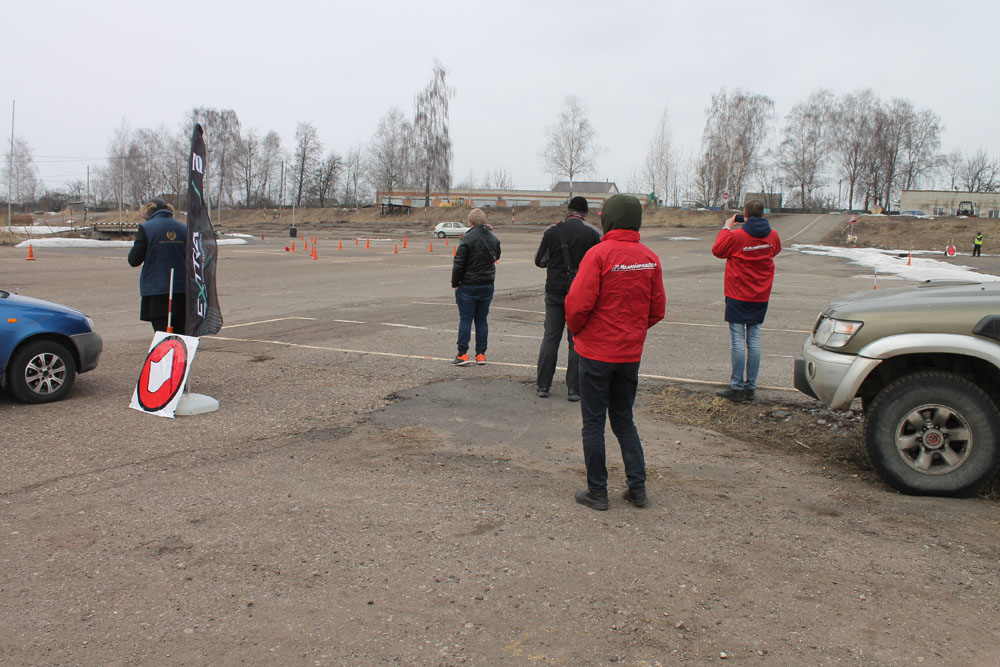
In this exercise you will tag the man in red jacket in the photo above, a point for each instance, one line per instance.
(749, 253)
(616, 297)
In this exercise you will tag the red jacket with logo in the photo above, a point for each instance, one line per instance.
(616, 296)
(749, 259)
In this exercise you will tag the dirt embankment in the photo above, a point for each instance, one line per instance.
(899, 232)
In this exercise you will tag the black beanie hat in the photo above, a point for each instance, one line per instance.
(578, 204)
(621, 212)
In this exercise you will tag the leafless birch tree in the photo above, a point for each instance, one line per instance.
(430, 125)
(572, 147)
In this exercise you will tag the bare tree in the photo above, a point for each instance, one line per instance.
(498, 178)
(980, 172)
(325, 178)
(571, 149)
(20, 175)
(852, 130)
(222, 137)
(951, 167)
(658, 170)
(308, 152)
(389, 156)
(248, 164)
(271, 157)
(920, 148)
(735, 132)
(805, 143)
(430, 124)
(354, 167)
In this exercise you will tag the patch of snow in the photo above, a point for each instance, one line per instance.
(38, 229)
(893, 262)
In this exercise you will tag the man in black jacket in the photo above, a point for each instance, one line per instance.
(563, 246)
(472, 274)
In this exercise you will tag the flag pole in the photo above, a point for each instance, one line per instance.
(170, 302)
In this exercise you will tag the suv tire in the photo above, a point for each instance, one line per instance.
(933, 433)
(41, 372)
(441, 235)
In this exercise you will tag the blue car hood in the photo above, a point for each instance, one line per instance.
(41, 304)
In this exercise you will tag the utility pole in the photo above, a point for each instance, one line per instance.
(10, 165)
(86, 201)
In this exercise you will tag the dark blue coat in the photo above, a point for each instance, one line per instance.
(159, 246)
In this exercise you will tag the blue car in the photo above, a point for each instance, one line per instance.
(43, 346)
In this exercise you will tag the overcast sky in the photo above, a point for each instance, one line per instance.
(76, 69)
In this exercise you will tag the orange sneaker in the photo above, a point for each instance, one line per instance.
(461, 360)
(481, 359)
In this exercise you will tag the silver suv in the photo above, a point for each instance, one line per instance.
(925, 362)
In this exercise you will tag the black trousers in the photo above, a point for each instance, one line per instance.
(609, 389)
(548, 353)
(977, 249)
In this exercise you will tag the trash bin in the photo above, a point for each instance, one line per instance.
(293, 232)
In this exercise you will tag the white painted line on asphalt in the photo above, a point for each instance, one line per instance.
(818, 218)
(404, 326)
(277, 319)
(505, 364)
(349, 321)
(726, 326)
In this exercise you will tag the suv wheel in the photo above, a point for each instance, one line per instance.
(933, 433)
(41, 372)
(441, 235)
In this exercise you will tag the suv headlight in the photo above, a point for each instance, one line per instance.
(831, 332)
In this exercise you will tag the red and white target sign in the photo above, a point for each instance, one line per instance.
(164, 374)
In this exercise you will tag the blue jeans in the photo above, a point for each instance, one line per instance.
(473, 306)
(745, 339)
(609, 389)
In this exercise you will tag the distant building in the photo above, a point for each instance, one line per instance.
(947, 202)
(770, 200)
(559, 196)
(606, 188)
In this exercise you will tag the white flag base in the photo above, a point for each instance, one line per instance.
(196, 404)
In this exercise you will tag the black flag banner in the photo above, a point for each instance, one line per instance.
(203, 314)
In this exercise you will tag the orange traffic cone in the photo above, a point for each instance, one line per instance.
(355, 240)
(875, 286)
(293, 246)
(395, 248)
(31, 254)
(430, 247)
(340, 245)
(454, 250)
(368, 243)
(404, 241)
(314, 251)
(305, 245)
(446, 240)
(908, 259)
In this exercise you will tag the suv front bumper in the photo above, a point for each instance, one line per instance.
(832, 377)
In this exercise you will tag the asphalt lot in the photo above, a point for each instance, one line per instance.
(358, 500)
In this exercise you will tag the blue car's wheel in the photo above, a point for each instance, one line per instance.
(41, 372)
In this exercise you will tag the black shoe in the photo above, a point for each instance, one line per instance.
(573, 396)
(749, 395)
(543, 393)
(636, 496)
(590, 500)
(732, 395)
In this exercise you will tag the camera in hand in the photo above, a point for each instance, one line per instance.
(739, 218)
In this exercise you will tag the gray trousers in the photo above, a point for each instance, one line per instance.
(548, 354)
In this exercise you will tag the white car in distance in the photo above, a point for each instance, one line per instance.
(444, 229)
